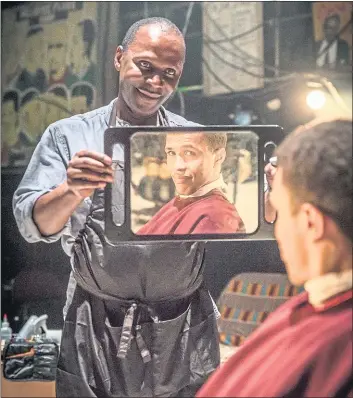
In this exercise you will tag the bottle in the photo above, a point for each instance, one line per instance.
(6, 331)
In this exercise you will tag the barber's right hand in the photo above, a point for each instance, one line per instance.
(87, 171)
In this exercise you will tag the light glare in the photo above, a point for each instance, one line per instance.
(315, 99)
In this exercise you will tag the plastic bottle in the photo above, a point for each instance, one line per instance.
(6, 331)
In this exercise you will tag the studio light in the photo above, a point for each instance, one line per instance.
(315, 99)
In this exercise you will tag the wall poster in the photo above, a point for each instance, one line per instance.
(48, 71)
(333, 35)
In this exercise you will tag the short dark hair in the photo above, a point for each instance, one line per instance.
(88, 35)
(164, 23)
(13, 96)
(317, 168)
(85, 90)
(213, 140)
(216, 140)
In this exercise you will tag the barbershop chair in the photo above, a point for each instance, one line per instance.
(246, 302)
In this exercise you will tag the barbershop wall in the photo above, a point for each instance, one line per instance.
(48, 71)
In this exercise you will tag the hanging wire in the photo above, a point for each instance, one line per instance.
(185, 28)
(246, 60)
(239, 36)
(278, 82)
(216, 77)
(234, 45)
(145, 9)
(187, 19)
(267, 79)
(182, 103)
(231, 65)
(255, 28)
(269, 67)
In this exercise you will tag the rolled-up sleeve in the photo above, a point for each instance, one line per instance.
(45, 171)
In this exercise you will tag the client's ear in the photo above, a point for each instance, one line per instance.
(220, 155)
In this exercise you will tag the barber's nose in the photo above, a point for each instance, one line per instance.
(155, 79)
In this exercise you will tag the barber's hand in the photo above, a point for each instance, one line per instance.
(270, 172)
(87, 171)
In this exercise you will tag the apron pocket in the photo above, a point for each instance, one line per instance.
(78, 351)
(183, 354)
(128, 376)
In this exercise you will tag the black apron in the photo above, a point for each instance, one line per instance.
(141, 322)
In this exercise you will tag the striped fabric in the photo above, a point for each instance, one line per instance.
(246, 302)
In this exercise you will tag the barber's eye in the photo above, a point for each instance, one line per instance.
(170, 153)
(189, 153)
(145, 65)
(170, 72)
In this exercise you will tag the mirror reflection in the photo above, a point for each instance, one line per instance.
(270, 162)
(194, 183)
(118, 192)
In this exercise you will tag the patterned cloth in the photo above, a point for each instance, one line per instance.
(247, 301)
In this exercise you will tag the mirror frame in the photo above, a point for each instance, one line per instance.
(122, 135)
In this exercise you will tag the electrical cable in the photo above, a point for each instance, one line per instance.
(250, 56)
(232, 44)
(216, 77)
(182, 103)
(208, 44)
(239, 36)
(260, 64)
(269, 67)
(187, 19)
(145, 9)
(232, 65)
(266, 22)
(185, 28)
(286, 79)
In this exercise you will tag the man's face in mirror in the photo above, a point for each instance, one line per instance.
(192, 161)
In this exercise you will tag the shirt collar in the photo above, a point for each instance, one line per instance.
(326, 286)
(113, 121)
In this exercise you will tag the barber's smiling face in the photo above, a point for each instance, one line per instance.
(150, 68)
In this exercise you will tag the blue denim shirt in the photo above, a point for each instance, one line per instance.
(47, 169)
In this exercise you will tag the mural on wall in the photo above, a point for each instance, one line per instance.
(333, 34)
(48, 71)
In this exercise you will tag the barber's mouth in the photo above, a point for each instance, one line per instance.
(148, 94)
